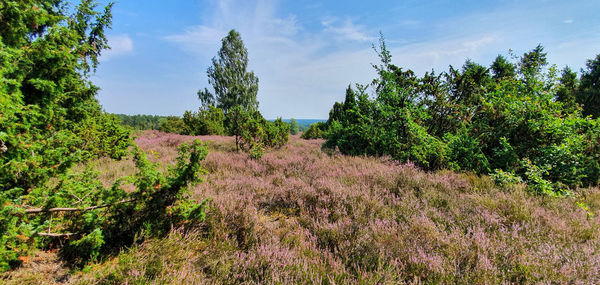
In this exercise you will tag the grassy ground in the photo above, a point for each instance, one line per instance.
(302, 215)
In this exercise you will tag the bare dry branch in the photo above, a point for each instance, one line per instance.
(51, 210)
(55, 234)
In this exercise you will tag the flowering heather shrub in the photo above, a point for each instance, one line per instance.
(300, 215)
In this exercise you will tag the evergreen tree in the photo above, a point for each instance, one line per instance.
(502, 68)
(589, 94)
(566, 92)
(49, 116)
(50, 121)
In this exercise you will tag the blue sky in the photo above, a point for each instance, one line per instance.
(305, 53)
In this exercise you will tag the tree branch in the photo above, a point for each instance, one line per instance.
(55, 234)
(51, 210)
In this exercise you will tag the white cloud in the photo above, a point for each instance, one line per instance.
(303, 72)
(119, 45)
(568, 21)
(345, 30)
(439, 54)
(198, 39)
(296, 76)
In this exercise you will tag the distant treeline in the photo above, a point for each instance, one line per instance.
(303, 124)
(153, 122)
(141, 122)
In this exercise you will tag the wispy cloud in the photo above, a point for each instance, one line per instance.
(304, 70)
(440, 53)
(119, 45)
(295, 69)
(198, 39)
(568, 21)
(345, 30)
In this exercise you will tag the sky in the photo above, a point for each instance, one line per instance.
(306, 53)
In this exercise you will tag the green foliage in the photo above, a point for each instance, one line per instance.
(84, 249)
(208, 121)
(50, 121)
(235, 122)
(532, 63)
(253, 133)
(535, 178)
(172, 124)
(233, 109)
(233, 85)
(256, 152)
(294, 128)
(110, 218)
(504, 178)
(566, 93)
(141, 122)
(589, 94)
(103, 136)
(276, 133)
(464, 152)
(513, 122)
(502, 68)
(471, 120)
(46, 100)
(315, 131)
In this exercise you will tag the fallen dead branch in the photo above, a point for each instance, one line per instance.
(55, 234)
(52, 210)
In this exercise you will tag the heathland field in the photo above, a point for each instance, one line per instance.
(306, 215)
(430, 172)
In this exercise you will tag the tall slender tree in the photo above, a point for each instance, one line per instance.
(232, 83)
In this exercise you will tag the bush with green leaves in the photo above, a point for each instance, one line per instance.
(465, 153)
(294, 127)
(209, 121)
(516, 119)
(172, 124)
(92, 220)
(277, 133)
(253, 132)
(315, 131)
